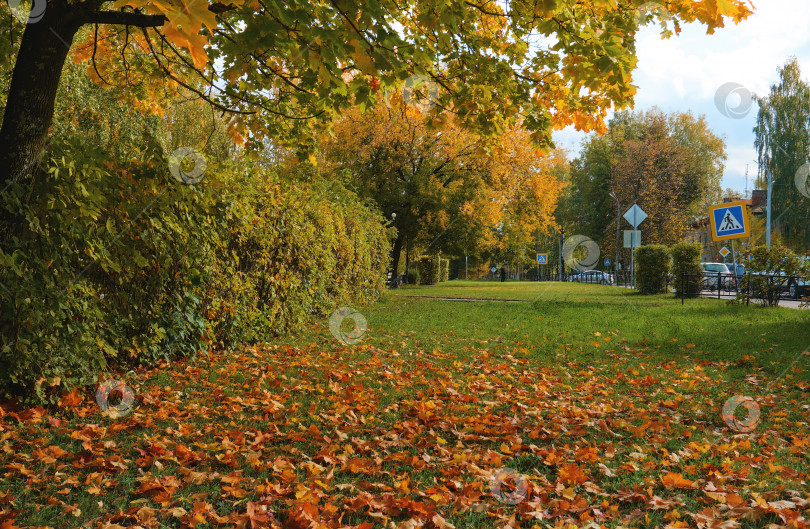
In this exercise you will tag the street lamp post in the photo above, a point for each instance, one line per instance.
(618, 221)
(395, 265)
(769, 176)
(768, 214)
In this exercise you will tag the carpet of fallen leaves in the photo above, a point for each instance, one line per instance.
(321, 436)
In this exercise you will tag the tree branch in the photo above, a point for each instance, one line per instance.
(124, 18)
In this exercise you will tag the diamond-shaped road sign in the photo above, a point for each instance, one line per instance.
(724, 251)
(635, 215)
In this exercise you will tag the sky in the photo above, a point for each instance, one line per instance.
(689, 71)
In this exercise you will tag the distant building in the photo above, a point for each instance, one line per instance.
(758, 202)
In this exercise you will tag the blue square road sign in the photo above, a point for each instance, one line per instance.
(729, 221)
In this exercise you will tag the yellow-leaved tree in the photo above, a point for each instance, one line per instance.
(445, 188)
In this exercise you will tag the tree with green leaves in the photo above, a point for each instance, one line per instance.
(783, 147)
(671, 165)
(284, 68)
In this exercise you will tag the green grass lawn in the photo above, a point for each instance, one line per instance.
(607, 405)
(571, 314)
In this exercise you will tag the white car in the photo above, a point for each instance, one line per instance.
(717, 276)
(594, 277)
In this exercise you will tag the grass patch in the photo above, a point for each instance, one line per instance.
(608, 403)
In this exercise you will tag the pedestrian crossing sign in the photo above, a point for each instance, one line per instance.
(730, 221)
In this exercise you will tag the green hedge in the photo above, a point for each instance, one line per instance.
(412, 275)
(444, 272)
(106, 264)
(686, 260)
(429, 269)
(652, 267)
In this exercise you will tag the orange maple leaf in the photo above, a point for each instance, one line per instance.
(72, 399)
(571, 473)
(673, 480)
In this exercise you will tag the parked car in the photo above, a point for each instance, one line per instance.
(793, 287)
(717, 276)
(797, 286)
(595, 277)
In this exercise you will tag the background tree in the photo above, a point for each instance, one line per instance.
(670, 165)
(783, 147)
(451, 190)
(527, 216)
(423, 176)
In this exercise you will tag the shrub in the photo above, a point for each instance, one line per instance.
(444, 265)
(686, 260)
(652, 267)
(98, 266)
(769, 273)
(299, 255)
(105, 263)
(429, 269)
(412, 276)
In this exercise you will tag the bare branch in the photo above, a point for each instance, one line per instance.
(124, 18)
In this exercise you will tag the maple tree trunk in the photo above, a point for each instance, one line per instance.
(32, 93)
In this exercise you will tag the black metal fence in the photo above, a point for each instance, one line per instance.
(622, 278)
(762, 288)
(591, 277)
(694, 285)
(594, 277)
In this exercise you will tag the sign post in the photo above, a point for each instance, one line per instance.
(632, 240)
(635, 216)
(734, 261)
(537, 249)
(729, 222)
(542, 259)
